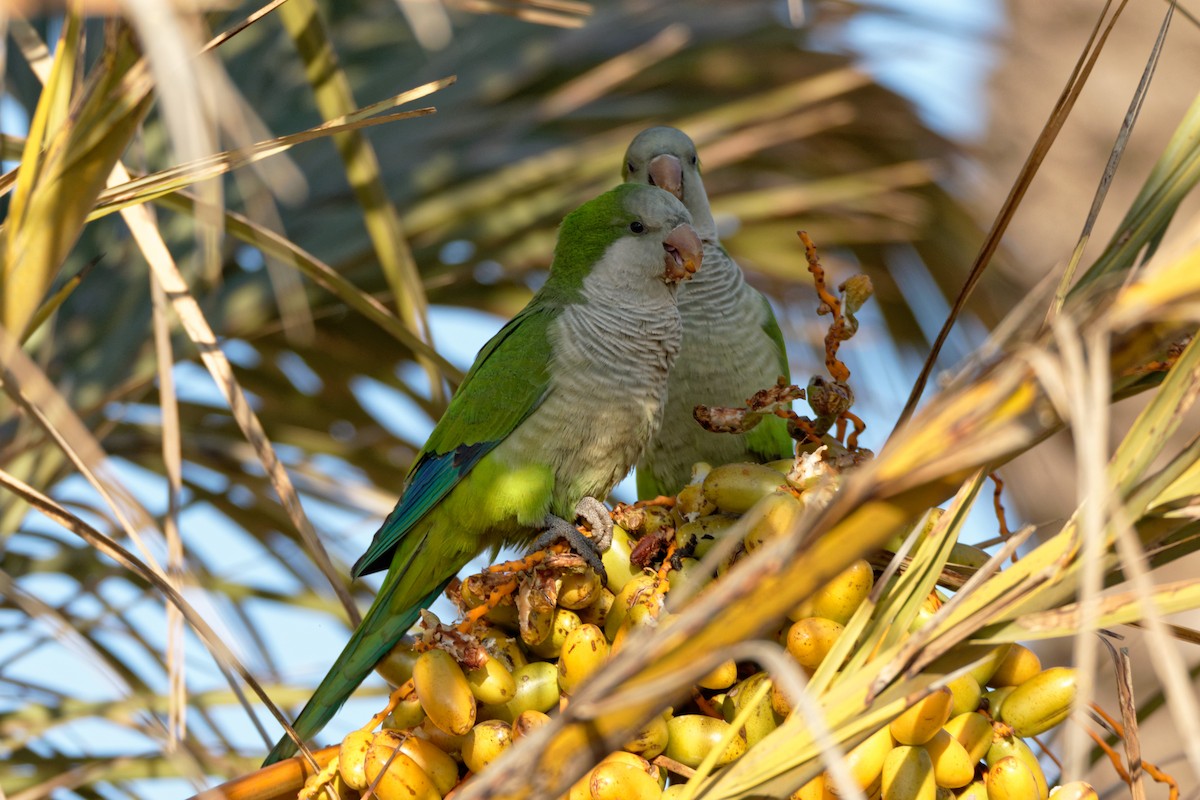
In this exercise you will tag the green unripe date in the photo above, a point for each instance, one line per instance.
(734, 488)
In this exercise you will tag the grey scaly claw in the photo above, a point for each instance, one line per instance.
(558, 528)
(597, 516)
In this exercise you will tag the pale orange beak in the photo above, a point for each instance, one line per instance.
(666, 173)
(684, 253)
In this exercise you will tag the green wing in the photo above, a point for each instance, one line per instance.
(509, 379)
(769, 439)
(771, 329)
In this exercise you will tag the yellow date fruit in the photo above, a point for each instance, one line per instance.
(1019, 665)
(923, 719)
(563, 623)
(866, 759)
(597, 612)
(584, 652)
(397, 666)
(983, 671)
(406, 714)
(446, 742)
(1010, 779)
(952, 764)
(993, 700)
(690, 737)
(640, 590)
(616, 559)
(642, 615)
(617, 780)
(578, 590)
(491, 683)
(1014, 747)
(535, 626)
(691, 503)
(968, 555)
(579, 789)
(775, 516)
(1041, 702)
(537, 688)
(724, 676)
(394, 775)
(486, 742)
(503, 648)
(816, 789)
(689, 578)
(352, 758)
(975, 791)
(1075, 790)
(444, 692)
(527, 722)
(762, 717)
(809, 640)
(651, 739)
(973, 731)
(841, 597)
(908, 775)
(441, 768)
(781, 704)
(967, 694)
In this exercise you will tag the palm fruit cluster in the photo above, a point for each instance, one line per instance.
(962, 741)
(534, 631)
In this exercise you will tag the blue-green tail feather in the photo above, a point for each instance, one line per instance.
(431, 480)
(391, 615)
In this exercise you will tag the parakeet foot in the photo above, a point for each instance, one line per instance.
(557, 529)
(600, 521)
(589, 549)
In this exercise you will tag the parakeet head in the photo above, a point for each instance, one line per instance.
(666, 157)
(635, 234)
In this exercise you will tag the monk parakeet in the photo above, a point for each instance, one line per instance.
(732, 345)
(555, 411)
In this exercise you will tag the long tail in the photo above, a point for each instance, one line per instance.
(408, 588)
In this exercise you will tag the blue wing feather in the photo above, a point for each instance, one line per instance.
(495, 397)
(433, 477)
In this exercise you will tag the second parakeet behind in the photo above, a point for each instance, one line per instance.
(556, 409)
(732, 345)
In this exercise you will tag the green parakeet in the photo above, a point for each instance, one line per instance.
(555, 411)
(732, 345)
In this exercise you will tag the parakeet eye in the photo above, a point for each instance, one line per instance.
(637, 227)
(629, 167)
(694, 159)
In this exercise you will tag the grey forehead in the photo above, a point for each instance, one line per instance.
(658, 206)
(661, 139)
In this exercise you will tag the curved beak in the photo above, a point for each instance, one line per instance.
(684, 253)
(666, 173)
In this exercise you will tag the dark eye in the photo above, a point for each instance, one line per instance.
(694, 159)
(629, 167)
(637, 227)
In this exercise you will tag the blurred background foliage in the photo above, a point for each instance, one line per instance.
(794, 130)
